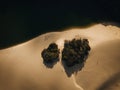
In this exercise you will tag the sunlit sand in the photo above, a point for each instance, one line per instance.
(22, 67)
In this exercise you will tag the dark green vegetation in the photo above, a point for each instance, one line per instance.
(75, 51)
(51, 54)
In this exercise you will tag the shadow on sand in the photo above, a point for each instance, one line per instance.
(73, 69)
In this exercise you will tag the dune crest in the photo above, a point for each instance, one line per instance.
(22, 67)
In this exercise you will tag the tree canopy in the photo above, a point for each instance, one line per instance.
(50, 54)
(75, 51)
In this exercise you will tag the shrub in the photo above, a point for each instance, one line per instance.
(50, 54)
(75, 51)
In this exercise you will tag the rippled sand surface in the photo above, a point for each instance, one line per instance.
(22, 68)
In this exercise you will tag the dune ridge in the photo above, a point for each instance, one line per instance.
(22, 67)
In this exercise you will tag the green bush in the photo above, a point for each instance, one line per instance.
(75, 51)
(51, 53)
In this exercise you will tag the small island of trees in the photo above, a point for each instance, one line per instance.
(51, 54)
(74, 52)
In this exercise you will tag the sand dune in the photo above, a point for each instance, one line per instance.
(22, 68)
(101, 66)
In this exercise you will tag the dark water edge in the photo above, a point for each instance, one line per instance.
(22, 21)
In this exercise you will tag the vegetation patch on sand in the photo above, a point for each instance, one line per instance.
(51, 54)
(75, 51)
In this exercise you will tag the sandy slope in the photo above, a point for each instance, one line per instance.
(22, 68)
(102, 66)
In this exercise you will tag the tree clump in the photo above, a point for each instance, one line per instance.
(51, 54)
(75, 51)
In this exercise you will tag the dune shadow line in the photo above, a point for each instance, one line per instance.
(111, 81)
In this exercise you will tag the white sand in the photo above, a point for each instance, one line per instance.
(22, 68)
